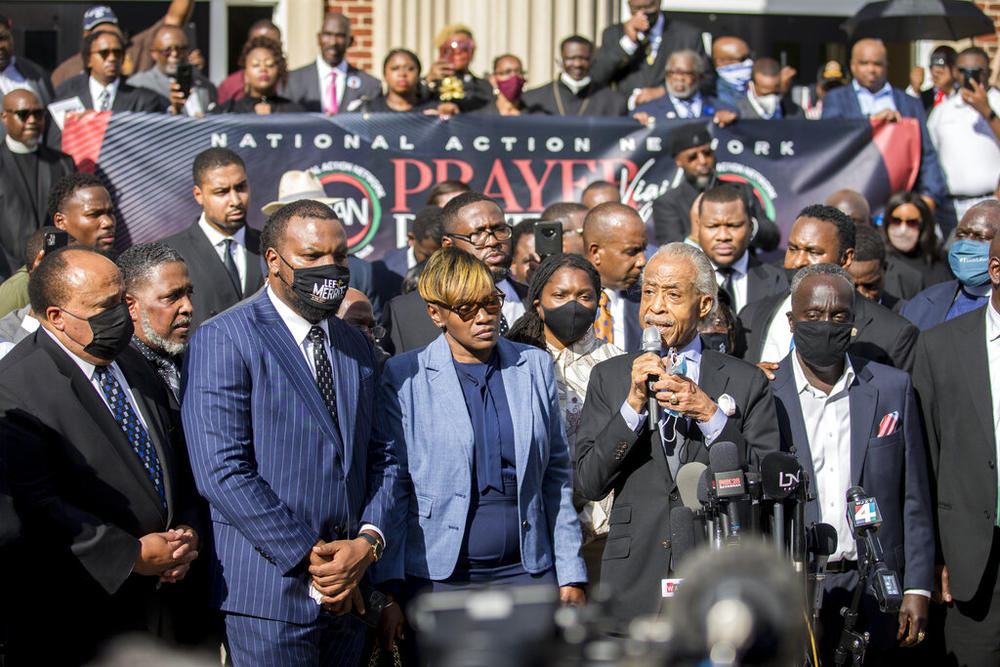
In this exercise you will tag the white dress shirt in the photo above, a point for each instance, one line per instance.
(411, 258)
(827, 420)
(778, 341)
(324, 72)
(96, 89)
(512, 306)
(689, 108)
(968, 150)
(873, 103)
(616, 304)
(739, 280)
(12, 79)
(237, 249)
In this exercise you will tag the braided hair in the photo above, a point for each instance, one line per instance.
(529, 328)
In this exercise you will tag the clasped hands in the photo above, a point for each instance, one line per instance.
(673, 392)
(336, 568)
(167, 555)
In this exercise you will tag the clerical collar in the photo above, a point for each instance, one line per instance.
(19, 147)
(574, 85)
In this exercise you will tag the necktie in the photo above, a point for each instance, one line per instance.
(604, 325)
(324, 373)
(964, 303)
(134, 432)
(332, 105)
(727, 284)
(104, 101)
(938, 97)
(227, 260)
(504, 325)
(488, 464)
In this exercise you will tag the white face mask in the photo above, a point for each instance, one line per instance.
(768, 103)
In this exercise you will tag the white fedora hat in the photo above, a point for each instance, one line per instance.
(295, 185)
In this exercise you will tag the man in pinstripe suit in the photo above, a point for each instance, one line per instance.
(278, 407)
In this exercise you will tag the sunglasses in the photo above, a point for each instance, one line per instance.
(106, 53)
(913, 223)
(24, 114)
(466, 311)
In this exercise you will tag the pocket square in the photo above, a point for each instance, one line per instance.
(889, 424)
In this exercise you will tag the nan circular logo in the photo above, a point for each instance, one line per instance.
(360, 210)
(762, 188)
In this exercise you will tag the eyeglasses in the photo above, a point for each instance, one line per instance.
(913, 223)
(681, 72)
(166, 51)
(24, 114)
(481, 238)
(106, 53)
(466, 311)
(377, 332)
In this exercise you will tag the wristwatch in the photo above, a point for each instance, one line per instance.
(376, 545)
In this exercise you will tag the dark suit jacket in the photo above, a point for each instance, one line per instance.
(128, 98)
(213, 289)
(303, 87)
(902, 279)
(613, 66)
(892, 468)
(82, 493)
(930, 307)
(36, 78)
(21, 214)
(590, 101)
(610, 456)
(409, 326)
(789, 109)
(764, 280)
(951, 377)
(387, 278)
(882, 335)
(663, 107)
(672, 215)
(843, 103)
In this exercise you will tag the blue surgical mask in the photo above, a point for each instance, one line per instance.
(737, 74)
(968, 260)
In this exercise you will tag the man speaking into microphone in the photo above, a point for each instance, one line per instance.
(855, 422)
(702, 396)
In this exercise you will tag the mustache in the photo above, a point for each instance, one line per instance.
(183, 322)
(651, 321)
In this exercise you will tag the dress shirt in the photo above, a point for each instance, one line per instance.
(323, 72)
(689, 108)
(512, 306)
(89, 371)
(411, 258)
(827, 420)
(872, 103)
(739, 268)
(616, 304)
(654, 36)
(968, 150)
(12, 79)
(96, 89)
(238, 248)
(711, 429)
(299, 327)
(993, 362)
(779, 335)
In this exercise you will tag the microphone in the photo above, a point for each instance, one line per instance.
(707, 499)
(726, 464)
(780, 474)
(651, 343)
(682, 535)
(865, 520)
(688, 480)
(821, 541)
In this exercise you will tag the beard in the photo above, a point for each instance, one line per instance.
(159, 343)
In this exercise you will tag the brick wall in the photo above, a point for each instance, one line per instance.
(360, 13)
(989, 42)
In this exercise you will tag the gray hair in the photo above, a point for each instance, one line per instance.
(704, 280)
(138, 262)
(820, 270)
(696, 59)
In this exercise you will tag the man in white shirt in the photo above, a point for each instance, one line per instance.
(855, 422)
(965, 130)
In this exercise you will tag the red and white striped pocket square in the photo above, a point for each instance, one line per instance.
(889, 424)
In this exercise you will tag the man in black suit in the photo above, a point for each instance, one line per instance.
(422, 240)
(222, 253)
(614, 240)
(20, 71)
(691, 148)
(764, 99)
(956, 373)
(724, 232)
(718, 398)
(331, 84)
(823, 235)
(97, 468)
(633, 55)
(868, 269)
(574, 93)
(27, 171)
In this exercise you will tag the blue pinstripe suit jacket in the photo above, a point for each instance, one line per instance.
(425, 417)
(267, 457)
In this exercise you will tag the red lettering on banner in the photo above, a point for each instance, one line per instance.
(534, 186)
(399, 181)
(611, 169)
(498, 178)
(570, 186)
(465, 170)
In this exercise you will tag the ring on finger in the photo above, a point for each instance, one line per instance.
(673, 399)
(920, 636)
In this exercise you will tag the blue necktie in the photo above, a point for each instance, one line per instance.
(965, 302)
(134, 432)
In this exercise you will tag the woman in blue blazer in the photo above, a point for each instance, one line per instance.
(484, 494)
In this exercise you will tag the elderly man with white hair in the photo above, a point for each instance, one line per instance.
(704, 398)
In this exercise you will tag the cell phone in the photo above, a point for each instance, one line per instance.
(548, 238)
(184, 77)
(55, 240)
(971, 73)
(374, 604)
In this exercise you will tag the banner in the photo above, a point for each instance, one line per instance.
(384, 164)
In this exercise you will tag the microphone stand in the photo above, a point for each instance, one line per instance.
(854, 643)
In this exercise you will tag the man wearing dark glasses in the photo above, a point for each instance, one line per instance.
(27, 171)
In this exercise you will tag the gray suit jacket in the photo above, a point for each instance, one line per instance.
(11, 330)
(158, 82)
(303, 87)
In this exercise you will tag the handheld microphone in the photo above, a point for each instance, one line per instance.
(651, 343)
(822, 543)
(865, 520)
(780, 475)
(726, 464)
(682, 535)
(688, 480)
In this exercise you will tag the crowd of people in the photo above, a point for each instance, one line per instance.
(253, 439)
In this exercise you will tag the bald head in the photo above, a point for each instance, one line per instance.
(23, 116)
(980, 223)
(599, 192)
(609, 220)
(357, 311)
(869, 64)
(853, 205)
(614, 238)
(729, 51)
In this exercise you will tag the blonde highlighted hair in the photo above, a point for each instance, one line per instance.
(453, 277)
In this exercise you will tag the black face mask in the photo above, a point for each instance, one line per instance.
(570, 321)
(716, 340)
(822, 344)
(321, 288)
(111, 329)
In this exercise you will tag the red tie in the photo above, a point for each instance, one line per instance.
(332, 105)
(938, 97)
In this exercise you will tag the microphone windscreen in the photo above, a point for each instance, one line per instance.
(688, 478)
(651, 339)
(705, 487)
(682, 539)
(822, 539)
(724, 457)
(855, 493)
(780, 475)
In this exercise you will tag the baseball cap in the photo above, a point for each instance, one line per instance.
(97, 15)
